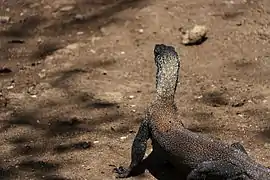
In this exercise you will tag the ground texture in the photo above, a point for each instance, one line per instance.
(77, 75)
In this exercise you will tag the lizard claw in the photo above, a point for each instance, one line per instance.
(122, 172)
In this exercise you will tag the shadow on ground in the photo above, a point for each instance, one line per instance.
(87, 16)
(35, 140)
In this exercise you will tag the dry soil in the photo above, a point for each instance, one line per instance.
(77, 75)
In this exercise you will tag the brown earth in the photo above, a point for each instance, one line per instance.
(82, 74)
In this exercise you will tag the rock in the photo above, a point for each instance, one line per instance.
(4, 19)
(196, 35)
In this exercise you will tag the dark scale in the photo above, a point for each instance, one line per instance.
(205, 158)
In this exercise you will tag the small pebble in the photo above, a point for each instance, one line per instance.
(199, 97)
(122, 52)
(34, 5)
(133, 105)
(238, 24)
(72, 46)
(267, 145)
(95, 142)
(4, 19)
(80, 33)
(79, 17)
(92, 51)
(123, 137)
(47, 7)
(42, 75)
(140, 30)
(238, 104)
(131, 97)
(66, 8)
(240, 115)
(10, 87)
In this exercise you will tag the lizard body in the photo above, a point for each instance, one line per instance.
(204, 157)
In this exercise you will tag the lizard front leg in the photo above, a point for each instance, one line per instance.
(138, 150)
(217, 170)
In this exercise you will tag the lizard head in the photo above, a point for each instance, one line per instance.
(165, 55)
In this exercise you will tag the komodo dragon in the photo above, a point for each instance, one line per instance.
(204, 157)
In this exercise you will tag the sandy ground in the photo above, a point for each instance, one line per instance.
(77, 75)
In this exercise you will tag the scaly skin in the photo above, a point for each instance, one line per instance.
(205, 158)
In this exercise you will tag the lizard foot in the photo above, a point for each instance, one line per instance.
(122, 172)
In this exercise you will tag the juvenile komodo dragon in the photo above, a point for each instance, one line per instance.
(205, 158)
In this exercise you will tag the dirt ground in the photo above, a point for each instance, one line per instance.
(77, 75)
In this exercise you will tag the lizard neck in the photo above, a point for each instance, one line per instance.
(166, 80)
